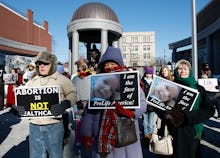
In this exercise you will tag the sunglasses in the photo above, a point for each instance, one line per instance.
(41, 63)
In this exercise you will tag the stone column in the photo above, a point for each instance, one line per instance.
(75, 50)
(70, 61)
(104, 40)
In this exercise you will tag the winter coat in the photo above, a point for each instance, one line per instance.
(10, 98)
(92, 118)
(184, 142)
(67, 91)
(185, 145)
(82, 87)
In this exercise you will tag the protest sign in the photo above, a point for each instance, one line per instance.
(122, 87)
(165, 94)
(10, 78)
(209, 84)
(37, 101)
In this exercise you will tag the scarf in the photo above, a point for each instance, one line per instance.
(191, 82)
(108, 129)
(116, 69)
(107, 133)
(83, 73)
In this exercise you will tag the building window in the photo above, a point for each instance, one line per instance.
(144, 39)
(132, 48)
(146, 55)
(134, 55)
(148, 38)
(144, 47)
(148, 47)
(136, 39)
(124, 48)
(124, 39)
(132, 39)
(124, 56)
(136, 47)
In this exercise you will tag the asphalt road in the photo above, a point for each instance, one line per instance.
(14, 139)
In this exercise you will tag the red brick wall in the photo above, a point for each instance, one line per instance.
(17, 28)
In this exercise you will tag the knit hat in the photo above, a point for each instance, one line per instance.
(148, 70)
(49, 58)
(180, 62)
(112, 54)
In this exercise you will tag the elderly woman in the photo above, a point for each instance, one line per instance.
(188, 125)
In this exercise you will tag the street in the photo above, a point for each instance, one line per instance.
(14, 138)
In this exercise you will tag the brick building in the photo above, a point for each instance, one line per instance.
(21, 38)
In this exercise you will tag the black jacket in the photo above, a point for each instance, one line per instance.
(184, 143)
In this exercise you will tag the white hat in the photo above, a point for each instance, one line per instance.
(182, 61)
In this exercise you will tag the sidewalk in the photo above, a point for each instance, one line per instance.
(14, 134)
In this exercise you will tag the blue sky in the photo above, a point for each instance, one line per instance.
(169, 19)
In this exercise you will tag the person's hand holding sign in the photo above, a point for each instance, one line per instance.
(58, 109)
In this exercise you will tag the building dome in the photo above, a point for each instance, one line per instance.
(95, 10)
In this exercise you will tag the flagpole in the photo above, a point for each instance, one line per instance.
(194, 40)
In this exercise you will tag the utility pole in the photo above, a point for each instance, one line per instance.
(164, 57)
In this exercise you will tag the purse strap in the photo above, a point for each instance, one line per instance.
(158, 126)
(157, 122)
(166, 132)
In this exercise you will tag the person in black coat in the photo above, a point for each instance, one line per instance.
(187, 125)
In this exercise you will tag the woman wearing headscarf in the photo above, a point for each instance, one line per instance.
(188, 125)
(100, 145)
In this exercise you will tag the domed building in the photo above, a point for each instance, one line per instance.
(92, 23)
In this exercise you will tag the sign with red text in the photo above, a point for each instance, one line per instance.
(37, 101)
(106, 88)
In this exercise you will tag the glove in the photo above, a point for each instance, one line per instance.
(124, 112)
(18, 110)
(176, 116)
(87, 142)
(58, 109)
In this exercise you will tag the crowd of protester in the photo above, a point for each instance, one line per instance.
(95, 129)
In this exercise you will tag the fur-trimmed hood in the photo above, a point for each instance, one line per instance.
(47, 57)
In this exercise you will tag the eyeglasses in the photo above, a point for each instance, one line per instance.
(41, 63)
